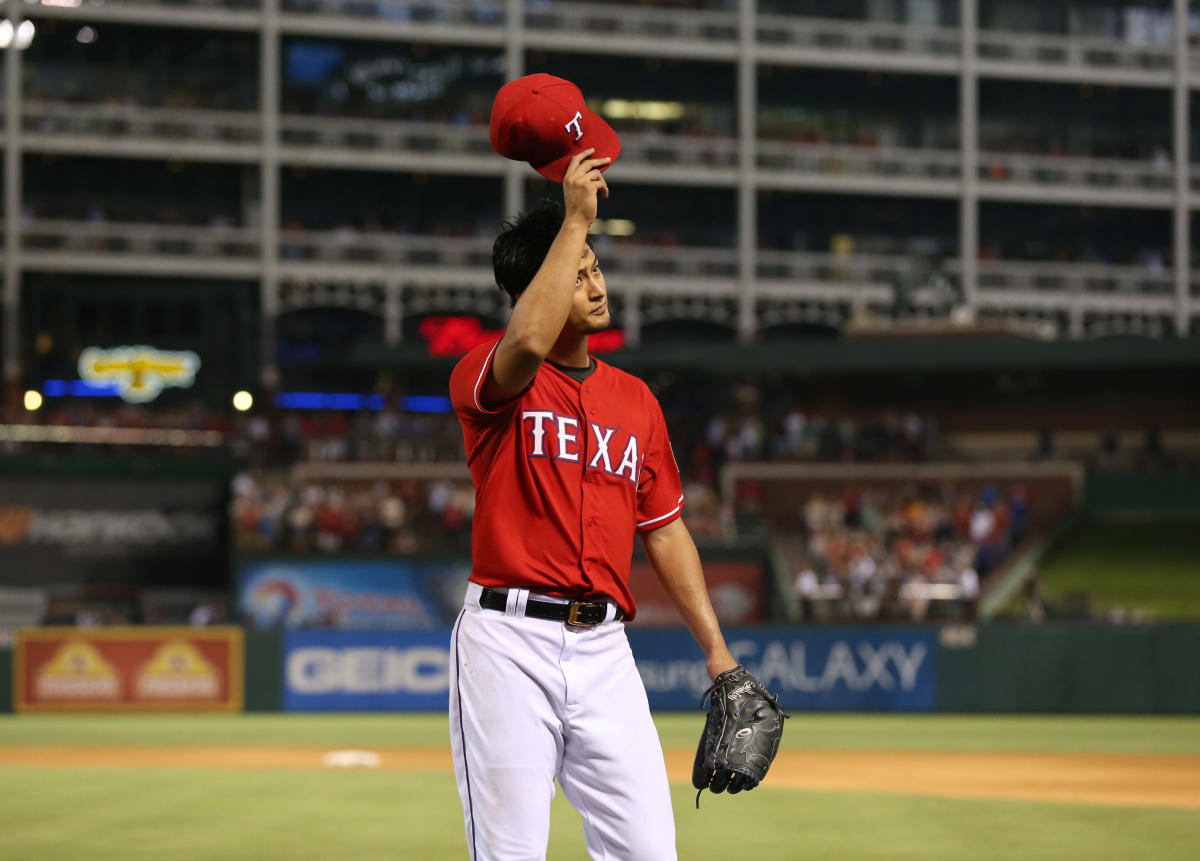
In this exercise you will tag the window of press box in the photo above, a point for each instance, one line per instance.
(389, 80)
(148, 66)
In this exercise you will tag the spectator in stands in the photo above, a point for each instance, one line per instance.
(890, 553)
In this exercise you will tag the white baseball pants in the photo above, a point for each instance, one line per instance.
(532, 700)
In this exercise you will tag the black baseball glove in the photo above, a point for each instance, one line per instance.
(741, 735)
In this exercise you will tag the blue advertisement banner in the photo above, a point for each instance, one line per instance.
(834, 669)
(350, 593)
(366, 670)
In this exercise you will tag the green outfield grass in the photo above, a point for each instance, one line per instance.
(198, 814)
(1075, 733)
(1153, 565)
(55, 813)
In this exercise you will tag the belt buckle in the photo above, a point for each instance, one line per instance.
(573, 614)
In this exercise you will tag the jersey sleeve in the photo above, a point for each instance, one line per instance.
(660, 490)
(466, 381)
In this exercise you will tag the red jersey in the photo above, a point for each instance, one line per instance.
(564, 474)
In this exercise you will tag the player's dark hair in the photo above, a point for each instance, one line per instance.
(523, 244)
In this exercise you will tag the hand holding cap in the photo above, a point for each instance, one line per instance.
(543, 120)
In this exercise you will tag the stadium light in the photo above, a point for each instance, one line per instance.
(6, 33)
(24, 37)
(654, 111)
(613, 227)
(33, 400)
(243, 401)
(86, 35)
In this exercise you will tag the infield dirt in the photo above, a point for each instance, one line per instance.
(1144, 780)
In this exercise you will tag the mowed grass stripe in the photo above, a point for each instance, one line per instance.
(1129, 734)
(189, 814)
(1151, 780)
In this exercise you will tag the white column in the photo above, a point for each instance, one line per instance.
(268, 107)
(747, 207)
(968, 126)
(12, 206)
(1182, 248)
(393, 314)
(514, 67)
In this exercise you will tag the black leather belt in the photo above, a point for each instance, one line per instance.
(580, 614)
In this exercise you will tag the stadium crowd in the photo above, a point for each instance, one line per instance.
(391, 434)
(272, 513)
(880, 553)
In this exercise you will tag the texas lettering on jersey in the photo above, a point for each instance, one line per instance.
(565, 444)
(565, 475)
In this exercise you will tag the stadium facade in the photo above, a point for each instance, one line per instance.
(725, 152)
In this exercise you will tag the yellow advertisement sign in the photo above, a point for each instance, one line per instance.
(127, 669)
(77, 671)
(177, 670)
(139, 373)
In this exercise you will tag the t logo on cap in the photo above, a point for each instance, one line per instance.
(574, 124)
(529, 116)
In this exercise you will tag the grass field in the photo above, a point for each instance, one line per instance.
(70, 811)
(1153, 565)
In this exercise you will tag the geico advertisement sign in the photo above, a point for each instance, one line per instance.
(418, 670)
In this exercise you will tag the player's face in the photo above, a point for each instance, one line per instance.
(589, 310)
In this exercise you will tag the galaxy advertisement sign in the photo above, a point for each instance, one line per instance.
(351, 594)
(128, 669)
(812, 669)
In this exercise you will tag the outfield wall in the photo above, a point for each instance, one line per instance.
(6, 682)
(1052, 667)
(1070, 667)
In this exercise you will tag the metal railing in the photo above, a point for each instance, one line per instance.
(439, 12)
(704, 34)
(655, 149)
(779, 266)
(139, 239)
(831, 160)
(1093, 173)
(1072, 291)
(628, 259)
(624, 21)
(427, 138)
(44, 119)
(237, 135)
(1099, 279)
(1004, 50)
(652, 261)
(101, 7)
(840, 38)
(347, 246)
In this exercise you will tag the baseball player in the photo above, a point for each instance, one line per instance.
(570, 459)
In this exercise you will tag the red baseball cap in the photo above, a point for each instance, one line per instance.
(543, 120)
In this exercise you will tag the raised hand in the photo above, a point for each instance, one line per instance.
(582, 182)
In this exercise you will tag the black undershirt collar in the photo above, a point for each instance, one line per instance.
(577, 374)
